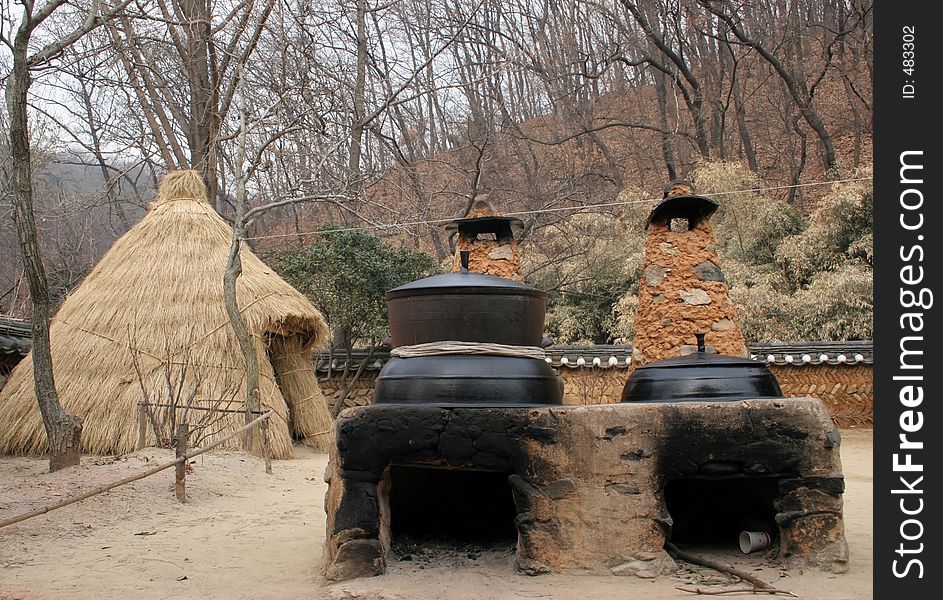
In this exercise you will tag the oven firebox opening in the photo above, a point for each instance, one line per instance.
(713, 511)
(451, 506)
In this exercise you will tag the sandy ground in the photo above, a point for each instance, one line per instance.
(245, 534)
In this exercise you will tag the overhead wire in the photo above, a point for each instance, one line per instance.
(384, 226)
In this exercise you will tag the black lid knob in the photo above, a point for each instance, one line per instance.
(700, 342)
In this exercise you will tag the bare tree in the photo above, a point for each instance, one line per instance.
(800, 89)
(63, 430)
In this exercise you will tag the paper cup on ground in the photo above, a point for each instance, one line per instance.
(751, 541)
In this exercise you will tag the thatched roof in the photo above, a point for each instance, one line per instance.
(157, 297)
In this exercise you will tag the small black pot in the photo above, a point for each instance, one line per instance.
(701, 377)
(466, 307)
(460, 380)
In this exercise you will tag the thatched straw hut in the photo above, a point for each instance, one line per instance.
(149, 320)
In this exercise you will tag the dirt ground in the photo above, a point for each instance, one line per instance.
(245, 534)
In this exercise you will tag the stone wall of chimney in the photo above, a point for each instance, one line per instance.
(492, 257)
(683, 292)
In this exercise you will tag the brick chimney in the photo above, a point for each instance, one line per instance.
(683, 290)
(490, 240)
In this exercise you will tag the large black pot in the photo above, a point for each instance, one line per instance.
(701, 377)
(466, 307)
(461, 380)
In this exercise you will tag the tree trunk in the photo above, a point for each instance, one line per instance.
(356, 126)
(796, 87)
(667, 151)
(233, 270)
(63, 430)
(202, 132)
(746, 139)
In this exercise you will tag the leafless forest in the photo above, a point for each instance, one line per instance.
(392, 115)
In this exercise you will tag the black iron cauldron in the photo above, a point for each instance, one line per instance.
(466, 307)
(701, 377)
(461, 380)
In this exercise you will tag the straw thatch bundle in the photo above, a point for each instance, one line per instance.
(310, 417)
(150, 319)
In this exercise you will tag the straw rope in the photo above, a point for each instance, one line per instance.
(450, 347)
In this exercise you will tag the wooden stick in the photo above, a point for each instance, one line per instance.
(149, 472)
(207, 408)
(753, 591)
(266, 448)
(758, 584)
(142, 425)
(180, 486)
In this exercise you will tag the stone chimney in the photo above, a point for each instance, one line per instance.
(683, 291)
(490, 240)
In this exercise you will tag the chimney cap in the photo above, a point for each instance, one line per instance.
(680, 202)
(483, 218)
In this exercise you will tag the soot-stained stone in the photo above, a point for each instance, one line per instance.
(455, 447)
(801, 500)
(708, 271)
(544, 435)
(612, 432)
(623, 488)
(833, 439)
(830, 485)
(633, 455)
(718, 467)
(358, 509)
(755, 469)
(681, 467)
(786, 430)
(492, 462)
(357, 475)
(398, 432)
(357, 558)
(522, 491)
(559, 488)
(692, 438)
(496, 443)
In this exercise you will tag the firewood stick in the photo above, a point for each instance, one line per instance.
(147, 473)
(758, 583)
(180, 487)
(753, 591)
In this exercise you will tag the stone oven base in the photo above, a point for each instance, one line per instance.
(588, 482)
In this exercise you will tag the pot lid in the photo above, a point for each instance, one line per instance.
(701, 376)
(464, 281)
(699, 360)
